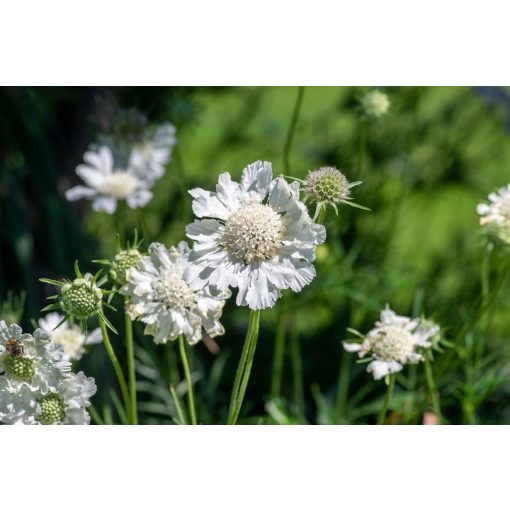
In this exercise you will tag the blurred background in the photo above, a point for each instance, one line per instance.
(425, 165)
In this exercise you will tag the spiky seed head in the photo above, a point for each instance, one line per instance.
(81, 298)
(326, 185)
(123, 261)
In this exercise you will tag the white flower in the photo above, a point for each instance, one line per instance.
(30, 367)
(69, 336)
(375, 104)
(496, 214)
(258, 237)
(395, 341)
(149, 157)
(169, 307)
(76, 392)
(105, 184)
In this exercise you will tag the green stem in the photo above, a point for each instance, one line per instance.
(389, 394)
(291, 130)
(130, 351)
(189, 382)
(297, 371)
(484, 284)
(343, 386)
(243, 370)
(362, 149)
(116, 366)
(279, 352)
(432, 390)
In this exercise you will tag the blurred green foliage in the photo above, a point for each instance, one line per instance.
(425, 165)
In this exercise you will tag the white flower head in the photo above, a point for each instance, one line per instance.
(395, 341)
(257, 236)
(30, 367)
(70, 337)
(105, 184)
(495, 216)
(150, 156)
(159, 297)
(375, 104)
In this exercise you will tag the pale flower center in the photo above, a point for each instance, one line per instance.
(254, 232)
(71, 339)
(118, 184)
(171, 290)
(392, 343)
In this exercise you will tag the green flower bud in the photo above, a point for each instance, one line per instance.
(19, 367)
(122, 262)
(52, 409)
(81, 298)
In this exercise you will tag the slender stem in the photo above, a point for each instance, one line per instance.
(116, 366)
(484, 284)
(431, 387)
(389, 394)
(244, 368)
(297, 371)
(279, 352)
(178, 407)
(343, 386)
(291, 130)
(130, 350)
(362, 149)
(189, 382)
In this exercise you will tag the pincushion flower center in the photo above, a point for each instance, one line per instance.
(171, 290)
(118, 184)
(392, 343)
(254, 232)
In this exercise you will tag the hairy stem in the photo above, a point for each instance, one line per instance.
(130, 351)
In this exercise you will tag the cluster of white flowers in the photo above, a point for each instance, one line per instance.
(495, 216)
(69, 336)
(36, 383)
(395, 341)
(159, 297)
(110, 176)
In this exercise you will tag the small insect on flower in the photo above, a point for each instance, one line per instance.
(14, 347)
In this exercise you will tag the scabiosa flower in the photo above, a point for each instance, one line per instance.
(375, 104)
(106, 185)
(328, 186)
(81, 298)
(31, 367)
(123, 260)
(159, 297)
(495, 216)
(257, 236)
(69, 336)
(152, 154)
(395, 341)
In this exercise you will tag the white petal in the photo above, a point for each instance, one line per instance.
(79, 192)
(257, 177)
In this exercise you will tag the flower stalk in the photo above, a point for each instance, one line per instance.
(389, 393)
(244, 369)
(189, 382)
(130, 351)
